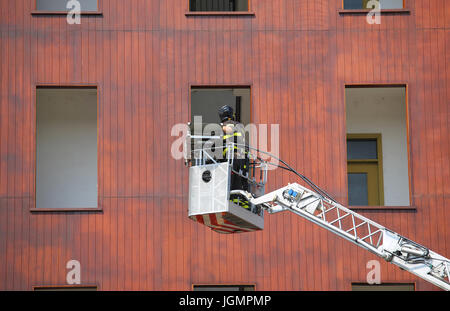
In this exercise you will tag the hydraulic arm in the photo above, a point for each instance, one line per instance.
(357, 229)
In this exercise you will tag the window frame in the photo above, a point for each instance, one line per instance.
(249, 12)
(193, 86)
(35, 11)
(411, 206)
(34, 208)
(404, 10)
(378, 161)
(219, 86)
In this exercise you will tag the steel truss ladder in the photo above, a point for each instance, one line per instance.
(359, 230)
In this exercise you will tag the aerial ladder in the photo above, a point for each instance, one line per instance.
(209, 204)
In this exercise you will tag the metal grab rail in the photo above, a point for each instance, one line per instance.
(205, 155)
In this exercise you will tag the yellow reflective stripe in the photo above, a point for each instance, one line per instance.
(238, 202)
(226, 150)
(235, 134)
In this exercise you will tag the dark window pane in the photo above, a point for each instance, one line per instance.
(353, 4)
(230, 288)
(60, 5)
(205, 102)
(357, 189)
(218, 5)
(358, 149)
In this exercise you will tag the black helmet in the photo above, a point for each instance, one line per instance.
(225, 113)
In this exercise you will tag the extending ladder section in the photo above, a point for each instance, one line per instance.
(359, 230)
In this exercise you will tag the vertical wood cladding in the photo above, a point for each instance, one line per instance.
(297, 55)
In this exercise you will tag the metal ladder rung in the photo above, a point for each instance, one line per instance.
(370, 235)
(379, 240)
(322, 215)
(328, 210)
(356, 227)
(339, 218)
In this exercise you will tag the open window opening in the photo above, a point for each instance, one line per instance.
(218, 5)
(377, 149)
(66, 148)
(368, 4)
(206, 101)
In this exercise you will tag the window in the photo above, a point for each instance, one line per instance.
(60, 5)
(365, 176)
(206, 101)
(382, 287)
(377, 147)
(365, 4)
(218, 5)
(205, 104)
(232, 288)
(66, 148)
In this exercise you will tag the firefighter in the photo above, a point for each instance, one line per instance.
(234, 133)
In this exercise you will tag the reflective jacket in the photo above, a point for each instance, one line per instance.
(237, 137)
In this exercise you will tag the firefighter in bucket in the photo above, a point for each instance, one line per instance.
(233, 132)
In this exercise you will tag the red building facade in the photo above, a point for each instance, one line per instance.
(143, 57)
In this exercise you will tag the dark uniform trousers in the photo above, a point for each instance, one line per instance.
(240, 164)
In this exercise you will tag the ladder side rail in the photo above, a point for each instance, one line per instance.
(324, 224)
(390, 246)
(421, 270)
(316, 213)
